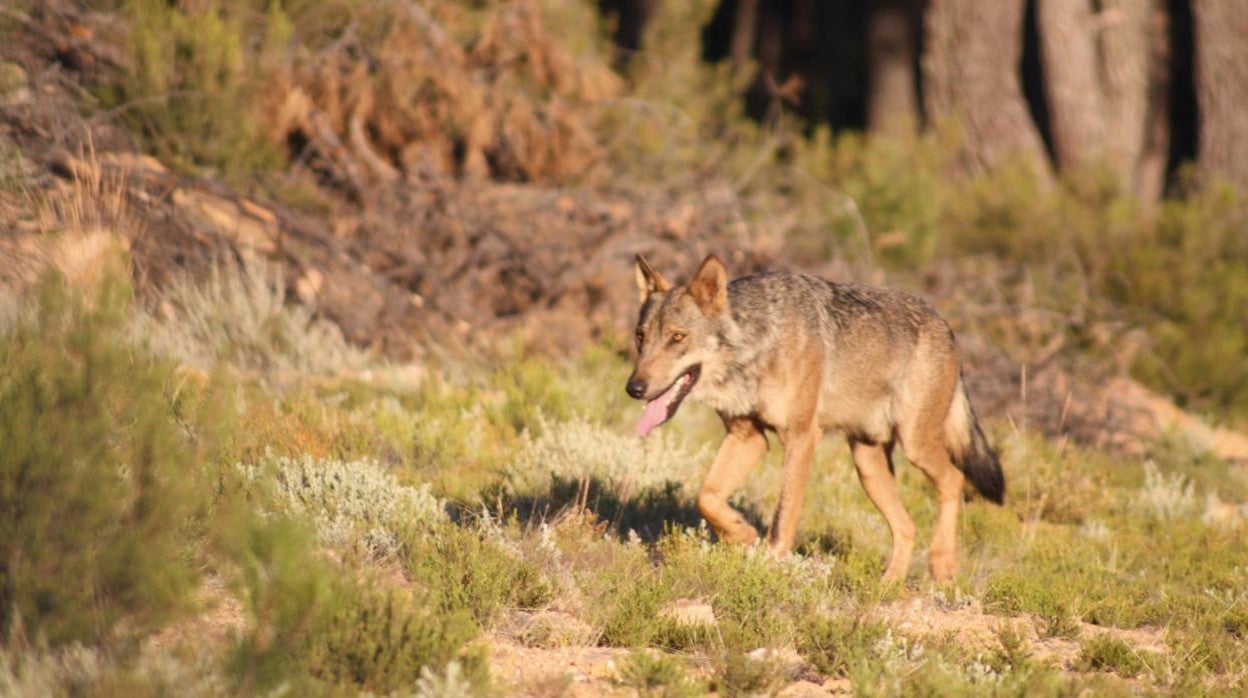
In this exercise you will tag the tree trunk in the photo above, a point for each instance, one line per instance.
(1220, 28)
(1072, 81)
(1105, 79)
(1126, 81)
(971, 77)
(744, 27)
(892, 95)
(1150, 167)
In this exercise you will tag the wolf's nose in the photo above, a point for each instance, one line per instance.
(636, 388)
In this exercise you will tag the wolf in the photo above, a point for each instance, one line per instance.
(796, 355)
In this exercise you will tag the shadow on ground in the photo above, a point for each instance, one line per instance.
(648, 513)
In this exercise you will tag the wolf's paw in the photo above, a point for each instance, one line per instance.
(943, 563)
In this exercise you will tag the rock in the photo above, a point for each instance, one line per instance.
(237, 223)
(14, 83)
(800, 689)
(786, 660)
(552, 629)
(132, 163)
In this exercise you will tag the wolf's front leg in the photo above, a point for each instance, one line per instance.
(799, 451)
(743, 448)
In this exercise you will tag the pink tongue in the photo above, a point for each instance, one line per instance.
(656, 410)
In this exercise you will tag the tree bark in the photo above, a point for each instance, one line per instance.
(1106, 81)
(1219, 29)
(892, 94)
(1072, 81)
(1150, 167)
(744, 27)
(971, 77)
(1126, 80)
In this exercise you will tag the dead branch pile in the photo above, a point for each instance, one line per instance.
(504, 101)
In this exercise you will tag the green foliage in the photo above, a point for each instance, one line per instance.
(883, 198)
(738, 674)
(95, 473)
(754, 599)
(1107, 653)
(1177, 271)
(191, 90)
(837, 643)
(317, 625)
(658, 675)
(463, 570)
(15, 170)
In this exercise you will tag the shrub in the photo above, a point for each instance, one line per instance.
(1106, 653)
(353, 503)
(316, 624)
(96, 476)
(463, 569)
(76, 670)
(190, 89)
(657, 674)
(835, 644)
(578, 449)
(240, 315)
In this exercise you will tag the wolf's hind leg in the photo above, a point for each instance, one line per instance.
(743, 448)
(875, 471)
(927, 451)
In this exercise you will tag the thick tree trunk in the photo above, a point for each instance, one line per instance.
(1072, 83)
(1221, 38)
(1150, 167)
(892, 90)
(1126, 77)
(971, 77)
(1105, 80)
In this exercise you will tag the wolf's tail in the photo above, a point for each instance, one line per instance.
(970, 450)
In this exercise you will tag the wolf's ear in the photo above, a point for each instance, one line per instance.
(648, 280)
(709, 287)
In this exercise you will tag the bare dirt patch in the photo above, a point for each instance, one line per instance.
(930, 618)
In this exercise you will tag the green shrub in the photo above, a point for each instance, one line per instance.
(192, 82)
(77, 670)
(738, 674)
(835, 644)
(759, 602)
(463, 569)
(1106, 653)
(97, 477)
(316, 624)
(657, 674)
(623, 464)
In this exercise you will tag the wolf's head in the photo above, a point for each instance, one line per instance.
(679, 329)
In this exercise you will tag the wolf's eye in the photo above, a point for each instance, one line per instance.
(678, 337)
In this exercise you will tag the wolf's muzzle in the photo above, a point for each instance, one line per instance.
(635, 388)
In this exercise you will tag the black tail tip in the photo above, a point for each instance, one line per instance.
(985, 473)
(983, 469)
(994, 490)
